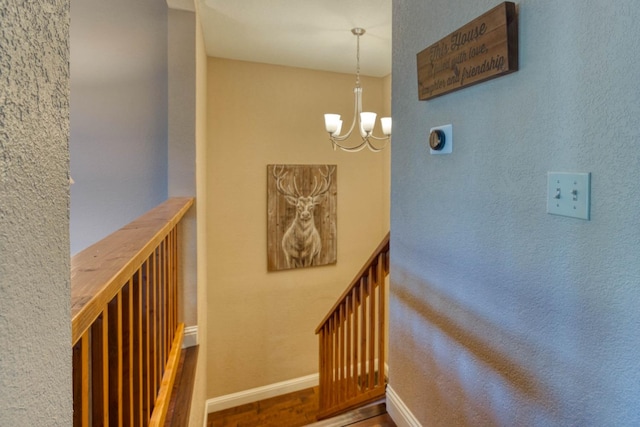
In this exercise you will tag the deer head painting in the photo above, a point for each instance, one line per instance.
(301, 216)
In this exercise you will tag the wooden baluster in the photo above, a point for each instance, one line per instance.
(160, 311)
(175, 265)
(115, 359)
(329, 376)
(372, 328)
(363, 334)
(172, 280)
(137, 346)
(168, 331)
(327, 366)
(159, 315)
(329, 350)
(164, 328)
(178, 270)
(348, 361)
(354, 342)
(169, 256)
(382, 306)
(127, 354)
(176, 280)
(340, 361)
(81, 382)
(169, 316)
(331, 363)
(320, 364)
(155, 332)
(100, 370)
(343, 353)
(147, 358)
(336, 358)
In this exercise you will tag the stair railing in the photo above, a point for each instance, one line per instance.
(126, 335)
(353, 339)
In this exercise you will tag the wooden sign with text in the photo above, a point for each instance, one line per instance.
(485, 48)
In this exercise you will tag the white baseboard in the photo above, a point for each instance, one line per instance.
(398, 411)
(261, 393)
(190, 336)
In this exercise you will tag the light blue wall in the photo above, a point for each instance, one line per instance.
(118, 114)
(502, 314)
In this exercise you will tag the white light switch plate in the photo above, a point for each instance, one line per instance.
(569, 194)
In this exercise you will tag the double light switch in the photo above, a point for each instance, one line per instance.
(568, 194)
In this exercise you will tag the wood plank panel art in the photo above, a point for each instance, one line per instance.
(301, 216)
(485, 48)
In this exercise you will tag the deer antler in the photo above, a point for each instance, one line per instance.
(279, 177)
(326, 182)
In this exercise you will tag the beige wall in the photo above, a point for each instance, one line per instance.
(198, 406)
(261, 325)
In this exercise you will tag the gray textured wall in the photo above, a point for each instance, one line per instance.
(35, 322)
(500, 313)
(182, 145)
(118, 114)
(182, 102)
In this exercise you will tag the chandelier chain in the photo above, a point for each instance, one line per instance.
(358, 60)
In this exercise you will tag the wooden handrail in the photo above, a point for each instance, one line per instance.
(352, 340)
(382, 247)
(126, 333)
(98, 271)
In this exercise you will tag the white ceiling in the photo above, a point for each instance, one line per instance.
(312, 34)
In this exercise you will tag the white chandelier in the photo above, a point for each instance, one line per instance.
(366, 120)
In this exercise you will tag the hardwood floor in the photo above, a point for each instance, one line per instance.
(180, 404)
(293, 410)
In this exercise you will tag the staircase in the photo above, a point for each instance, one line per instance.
(353, 340)
(352, 381)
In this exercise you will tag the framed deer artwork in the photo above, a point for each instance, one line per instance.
(301, 216)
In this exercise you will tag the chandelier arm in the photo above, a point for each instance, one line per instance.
(365, 143)
(379, 138)
(354, 149)
(376, 149)
(357, 93)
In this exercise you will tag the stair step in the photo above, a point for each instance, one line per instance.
(358, 417)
